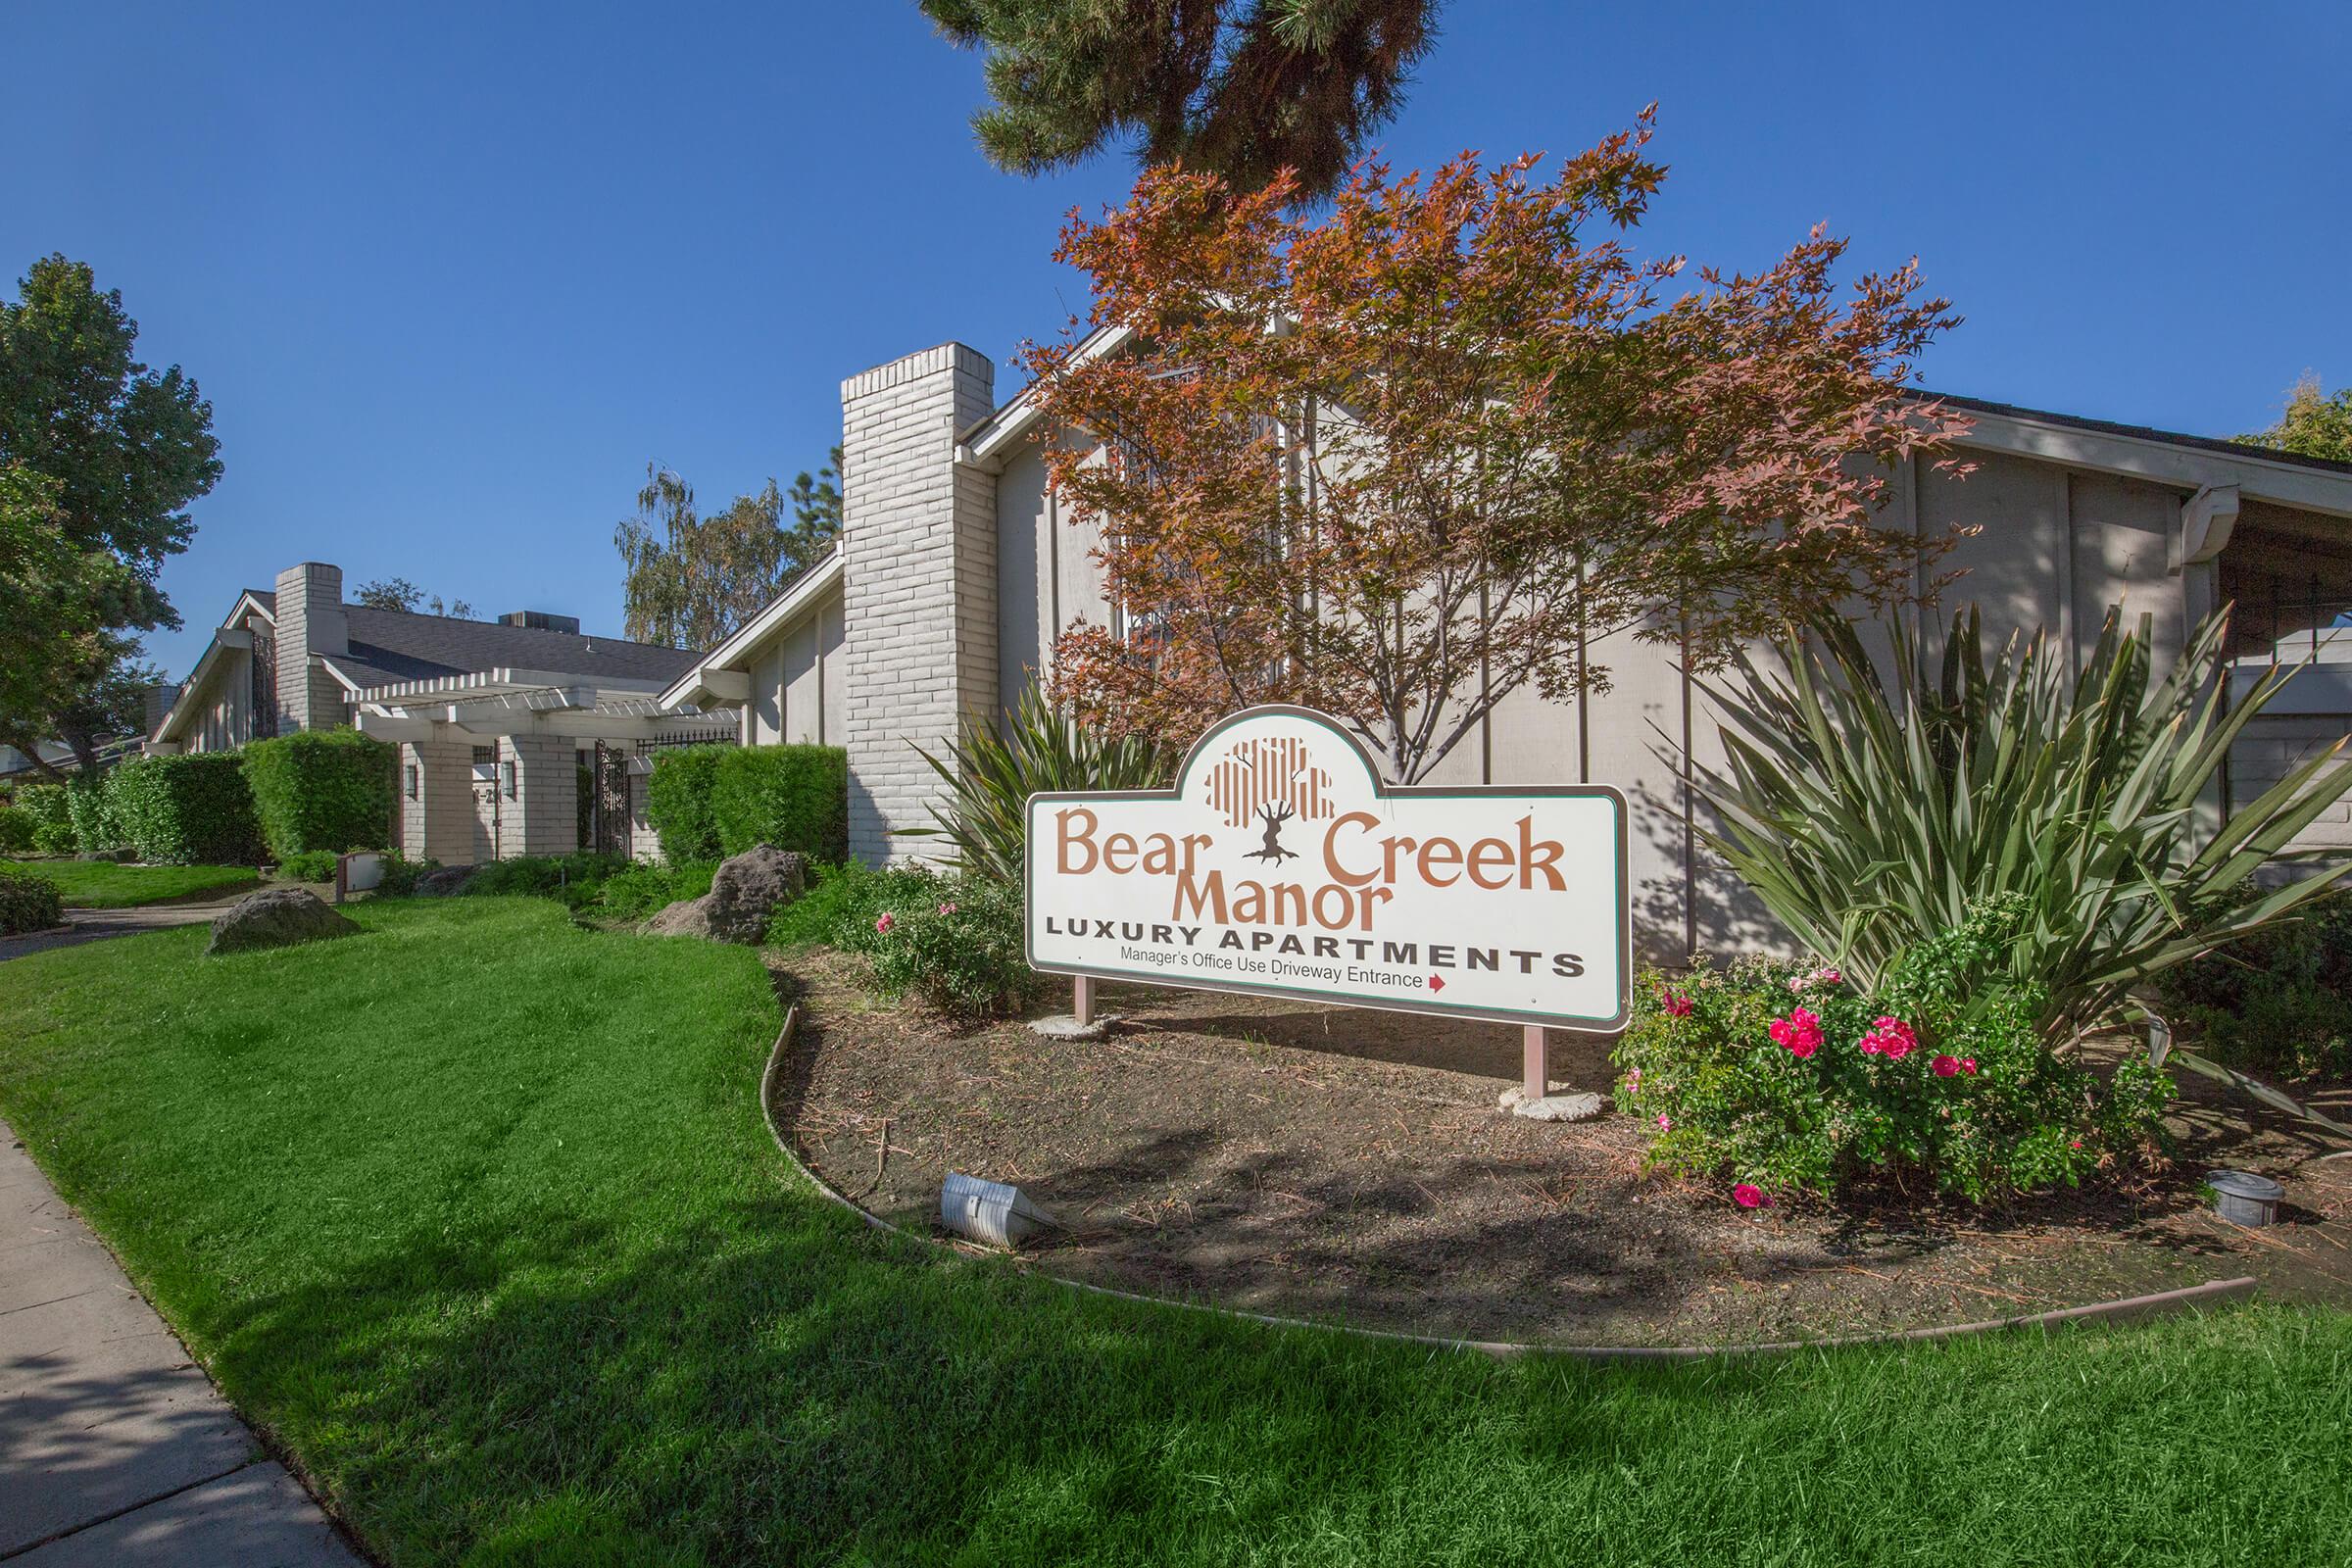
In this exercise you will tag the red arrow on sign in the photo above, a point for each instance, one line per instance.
(1437, 982)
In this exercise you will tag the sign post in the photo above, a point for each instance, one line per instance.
(1279, 864)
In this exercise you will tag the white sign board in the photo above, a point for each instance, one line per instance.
(1280, 863)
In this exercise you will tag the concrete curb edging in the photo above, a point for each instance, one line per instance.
(2188, 1298)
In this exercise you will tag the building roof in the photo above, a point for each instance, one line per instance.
(2140, 432)
(392, 647)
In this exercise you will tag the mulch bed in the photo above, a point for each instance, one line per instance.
(1351, 1166)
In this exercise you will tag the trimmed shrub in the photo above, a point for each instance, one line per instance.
(15, 830)
(2280, 1000)
(28, 901)
(309, 865)
(793, 797)
(1791, 1076)
(194, 810)
(97, 824)
(952, 942)
(51, 815)
(331, 789)
(677, 802)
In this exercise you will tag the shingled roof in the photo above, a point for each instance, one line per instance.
(393, 645)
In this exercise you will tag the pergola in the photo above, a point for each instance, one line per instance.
(495, 702)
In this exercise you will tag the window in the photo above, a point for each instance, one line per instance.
(413, 783)
(505, 778)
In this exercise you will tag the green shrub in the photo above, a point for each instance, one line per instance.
(583, 795)
(194, 810)
(794, 797)
(15, 830)
(51, 815)
(677, 802)
(575, 878)
(90, 804)
(641, 889)
(28, 901)
(835, 896)
(954, 941)
(1870, 815)
(2280, 1000)
(401, 874)
(331, 789)
(1781, 1076)
(990, 779)
(309, 865)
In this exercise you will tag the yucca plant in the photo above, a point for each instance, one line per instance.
(1870, 813)
(990, 777)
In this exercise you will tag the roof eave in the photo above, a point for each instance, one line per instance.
(690, 689)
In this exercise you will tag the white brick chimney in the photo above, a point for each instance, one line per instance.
(310, 620)
(919, 543)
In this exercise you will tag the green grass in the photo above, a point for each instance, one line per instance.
(104, 884)
(473, 1212)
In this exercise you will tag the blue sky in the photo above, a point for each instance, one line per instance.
(451, 275)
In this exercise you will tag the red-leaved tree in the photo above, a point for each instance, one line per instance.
(1402, 461)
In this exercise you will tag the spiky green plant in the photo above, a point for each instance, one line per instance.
(1870, 813)
(990, 777)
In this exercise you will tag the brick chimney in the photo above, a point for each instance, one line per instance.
(919, 590)
(310, 620)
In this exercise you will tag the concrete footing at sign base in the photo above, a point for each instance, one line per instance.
(1066, 1026)
(1554, 1107)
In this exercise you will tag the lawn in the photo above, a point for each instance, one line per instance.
(104, 884)
(475, 1214)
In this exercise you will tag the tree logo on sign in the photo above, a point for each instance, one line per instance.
(1269, 781)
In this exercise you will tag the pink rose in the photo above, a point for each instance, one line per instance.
(1665, 1122)
(946, 908)
(886, 922)
(1944, 1066)
(1632, 1078)
(1968, 1065)
(1747, 1195)
(1800, 1032)
(1891, 1038)
(1676, 1004)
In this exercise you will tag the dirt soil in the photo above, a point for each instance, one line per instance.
(1351, 1166)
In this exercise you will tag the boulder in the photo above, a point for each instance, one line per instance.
(688, 917)
(444, 882)
(745, 893)
(276, 917)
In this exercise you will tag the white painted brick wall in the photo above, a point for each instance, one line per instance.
(437, 821)
(920, 536)
(543, 818)
(310, 620)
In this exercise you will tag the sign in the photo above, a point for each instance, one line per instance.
(1280, 863)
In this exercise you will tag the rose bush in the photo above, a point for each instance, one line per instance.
(1789, 1077)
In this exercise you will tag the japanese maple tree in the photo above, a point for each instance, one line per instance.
(1405, 460)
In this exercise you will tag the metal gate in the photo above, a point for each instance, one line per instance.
(609, 827)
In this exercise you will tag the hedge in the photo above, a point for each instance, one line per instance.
(330, 790)
(16, 829)
(707, 802)
(97, 824)
(793, 797)
(28, 901)
(194, 810)
(677, 802)
(51, 815)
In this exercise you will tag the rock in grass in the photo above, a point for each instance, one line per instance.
(444, 882)
(276, 917)
(745, 893)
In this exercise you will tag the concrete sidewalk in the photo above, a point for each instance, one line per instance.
(115, 1448)
(96, 925)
